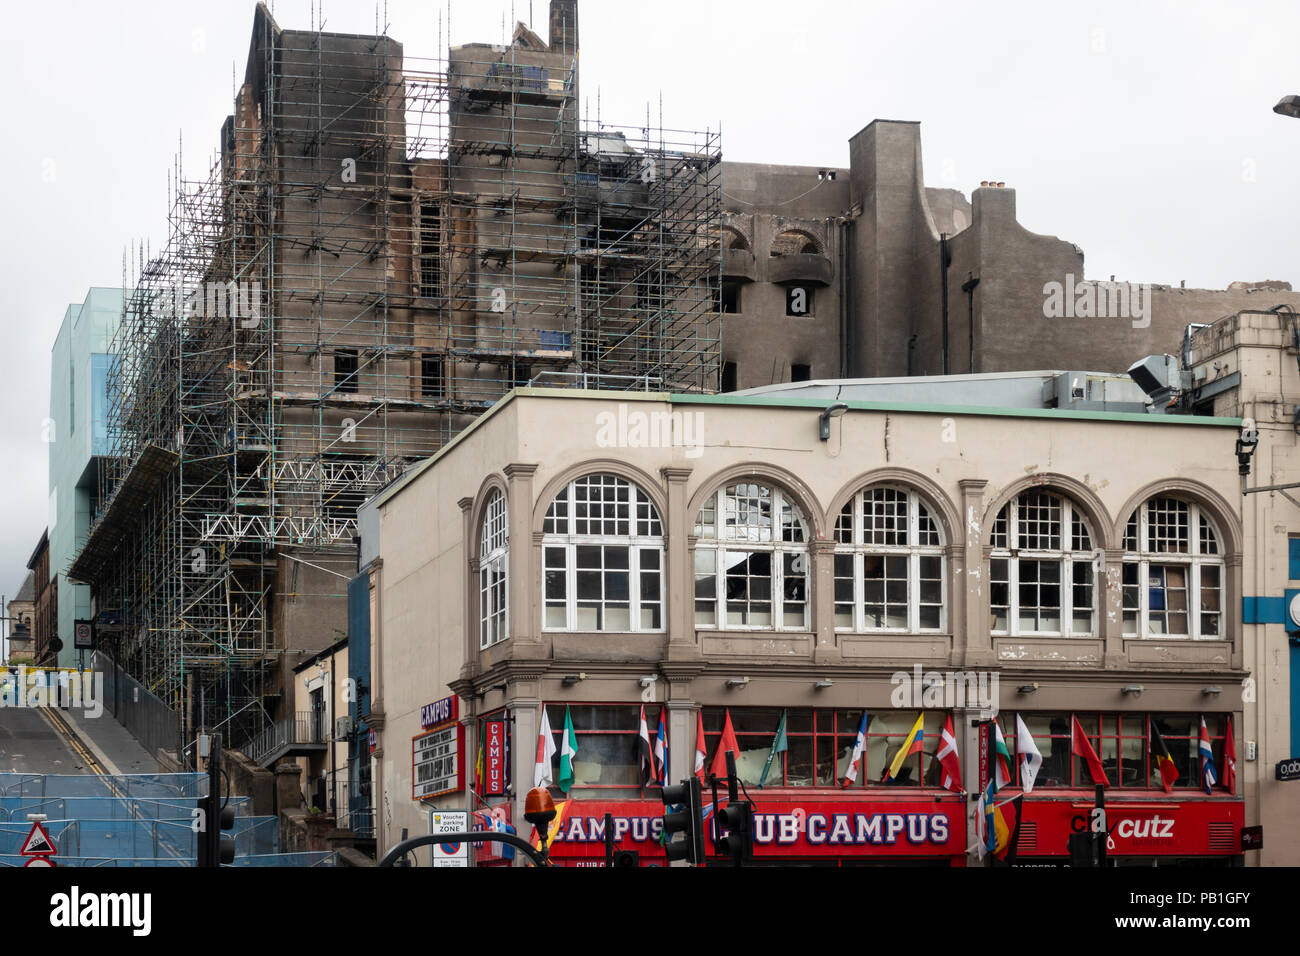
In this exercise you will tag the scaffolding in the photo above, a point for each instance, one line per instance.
(383, 248)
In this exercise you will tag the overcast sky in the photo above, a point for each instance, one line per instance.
(1142, 131)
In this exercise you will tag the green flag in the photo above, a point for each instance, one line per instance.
(568, 750)
(778, 747)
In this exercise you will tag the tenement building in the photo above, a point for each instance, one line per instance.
(777, 575)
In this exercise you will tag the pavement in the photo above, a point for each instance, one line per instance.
(113, 746)
(68, 741)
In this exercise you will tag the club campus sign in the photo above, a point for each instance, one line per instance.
(780, 829)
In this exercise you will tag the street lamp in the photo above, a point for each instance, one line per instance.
(1288, 106)
(824, 419)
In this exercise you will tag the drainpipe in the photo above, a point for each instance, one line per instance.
(846, 289)
(945, 260)
(969, 288)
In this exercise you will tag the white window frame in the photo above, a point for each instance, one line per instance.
(494, 560)
(859, 549)
(1194, 560)
(1066, 558)
(720, 544)
(636, 544)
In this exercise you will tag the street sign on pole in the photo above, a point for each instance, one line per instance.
(39, 861)
(449, 821)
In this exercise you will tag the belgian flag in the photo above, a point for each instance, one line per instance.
(1165, 763)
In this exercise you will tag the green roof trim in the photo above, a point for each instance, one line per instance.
(764, 401)
(927, 409)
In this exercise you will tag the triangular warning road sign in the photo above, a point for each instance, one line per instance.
(38, 843)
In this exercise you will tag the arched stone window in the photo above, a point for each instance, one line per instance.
(493, 572)
(1173, 572)
(602, 558)
(1042, 569)
(751, 559)
(793, 242)
(888, 563)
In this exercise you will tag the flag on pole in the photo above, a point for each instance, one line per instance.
(568, 750)
(1208, 775)
(1164, 762)
(947, 757)
(1001, 758)
(545, 751)
(645, 756)
(1080, 747)
(778, 747)
(700, 751)
(859, 745)
(913, 743)
(1230, 760)
(986, 827)
(727, 742)
(1030, 757)
(661, 749)
(1007, 829)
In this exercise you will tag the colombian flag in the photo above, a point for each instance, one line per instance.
(561, 812)
(913, 744)
(1006, 827)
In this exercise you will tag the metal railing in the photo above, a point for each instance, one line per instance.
(305, 727)
(149, 720)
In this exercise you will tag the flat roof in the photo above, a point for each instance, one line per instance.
(777, 401)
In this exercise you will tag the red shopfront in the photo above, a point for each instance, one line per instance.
(1148, 831)
(810, 831)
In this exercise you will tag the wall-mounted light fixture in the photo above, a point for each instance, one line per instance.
(1027, 688)
(823, 684)
(1131, 689)
(824, 420)
(735, 683)
(571, 679)
(1247, 442)
(1211, 690)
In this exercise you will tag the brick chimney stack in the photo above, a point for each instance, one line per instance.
(563, 36)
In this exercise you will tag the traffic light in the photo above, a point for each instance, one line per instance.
(737, 820)
(212, 819)
(687, 820)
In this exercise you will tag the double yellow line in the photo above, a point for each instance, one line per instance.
(70, 736)
(61, 725)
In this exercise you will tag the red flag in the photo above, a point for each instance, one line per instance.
(728, 742)
(701, 751)
(1080, 747)
(948, 758)
(1230, 759)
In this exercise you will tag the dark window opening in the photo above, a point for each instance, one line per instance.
(800, 373)
(731, 298)
(799, 301)
(430, 251)
(728, 376)
(345, 370)
(433, 376)
(522, 375)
